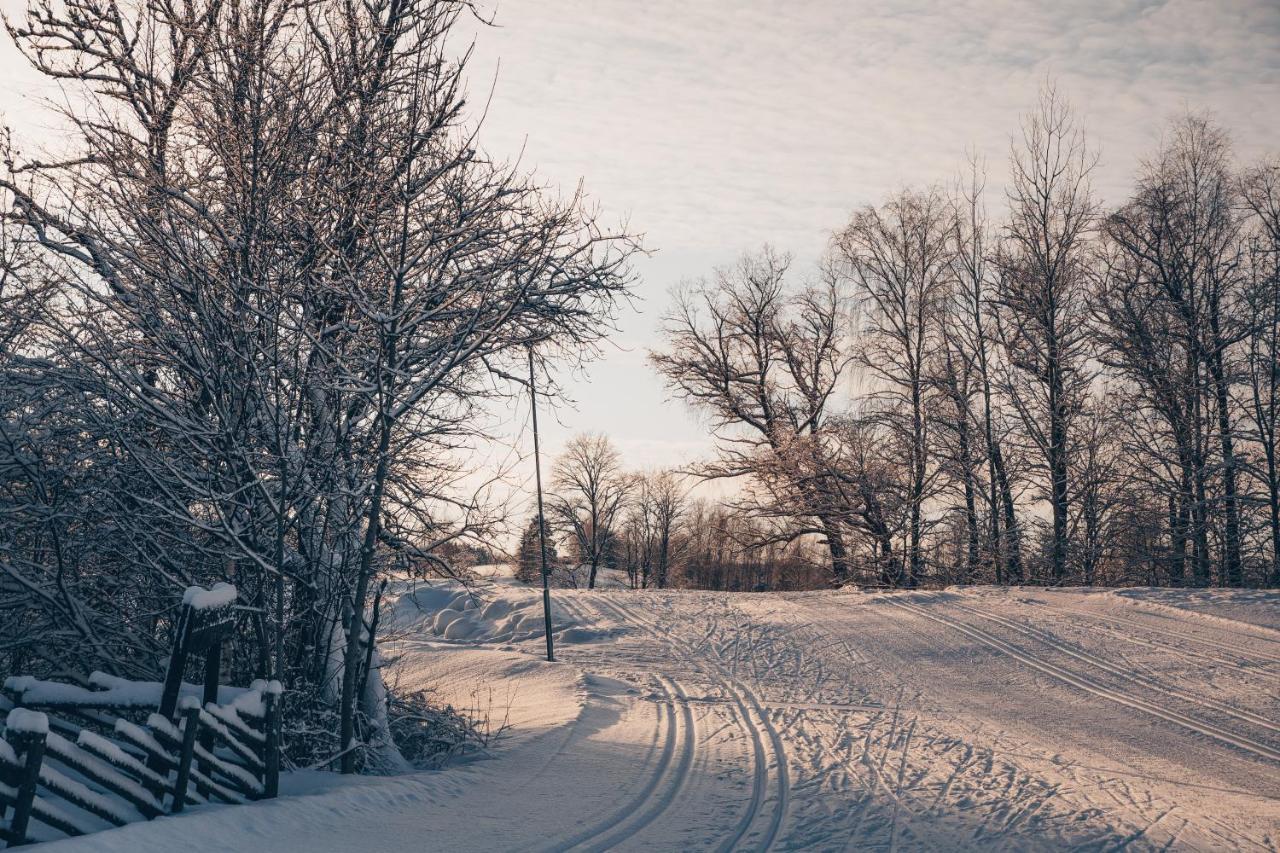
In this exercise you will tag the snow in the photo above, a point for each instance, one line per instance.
(107, 691)
(112, 752)
(85, 761)
(1258, 608)
(199, 598)
(104, 806)
(964, 719)
(507, 614)
(29, 722)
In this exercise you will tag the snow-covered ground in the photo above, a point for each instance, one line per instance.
(974, 718)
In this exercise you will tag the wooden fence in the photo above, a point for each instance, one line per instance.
(73, 760)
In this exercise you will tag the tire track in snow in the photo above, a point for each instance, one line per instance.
(1099, 663)
(1088, 685)
(744, 701)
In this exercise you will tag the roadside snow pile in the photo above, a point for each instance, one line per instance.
(501, 614)
(500, 690)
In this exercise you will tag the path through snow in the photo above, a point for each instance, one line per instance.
(974, 719)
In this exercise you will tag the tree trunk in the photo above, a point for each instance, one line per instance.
(836, 547)
(1231, 563)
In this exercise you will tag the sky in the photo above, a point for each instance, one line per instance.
(714, 126)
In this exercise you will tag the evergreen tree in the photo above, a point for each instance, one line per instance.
(528, 562)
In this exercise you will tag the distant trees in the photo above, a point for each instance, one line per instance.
(616, 519)
(1065, 395)
(727, 549)
(652, 543)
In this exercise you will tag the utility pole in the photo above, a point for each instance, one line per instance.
(542, 523)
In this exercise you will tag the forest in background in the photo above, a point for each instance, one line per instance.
(1066, 394)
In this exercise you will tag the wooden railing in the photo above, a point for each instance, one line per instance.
(75, 746)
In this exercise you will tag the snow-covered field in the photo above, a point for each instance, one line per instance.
(974, 718)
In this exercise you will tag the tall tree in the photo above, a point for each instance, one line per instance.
(765, 363)
(1044, 264)
(1170, 319)
(590, 490)
(969, 334)
(899, 257)
(1260, 189)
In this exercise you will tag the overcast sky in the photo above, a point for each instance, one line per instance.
(712, 126)
(715, 126)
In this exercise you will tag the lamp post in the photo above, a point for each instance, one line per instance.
(542, 524)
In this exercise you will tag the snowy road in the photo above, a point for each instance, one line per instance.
(966, 719)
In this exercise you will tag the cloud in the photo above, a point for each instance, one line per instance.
(715, 126)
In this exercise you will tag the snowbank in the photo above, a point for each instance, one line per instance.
(501, 614)
(1257, 607)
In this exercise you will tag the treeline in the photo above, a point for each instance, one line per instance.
(648, 527)
(1064, 394)
(251, 309)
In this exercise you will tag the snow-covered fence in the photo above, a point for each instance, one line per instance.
(73, 761)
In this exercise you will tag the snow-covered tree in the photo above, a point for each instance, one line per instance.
(286, 278)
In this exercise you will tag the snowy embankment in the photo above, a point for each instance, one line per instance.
(975, 718)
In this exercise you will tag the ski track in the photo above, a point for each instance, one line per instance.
(1177, 637)
(745, 702)
(836, 763)
(1091, 686)
(665, 785)
(969, 720)
(1098, 663)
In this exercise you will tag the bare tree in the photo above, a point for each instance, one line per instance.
(1261, 192)
(1169, 310)
(969, 334)
(765, 364)
(899, 258)
(287, 276)
(1044, 262)
(590, 494)
(662, 498)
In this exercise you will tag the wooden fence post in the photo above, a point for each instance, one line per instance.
(271, 751)
(30, 746)
(191, 721)
(177, 663)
